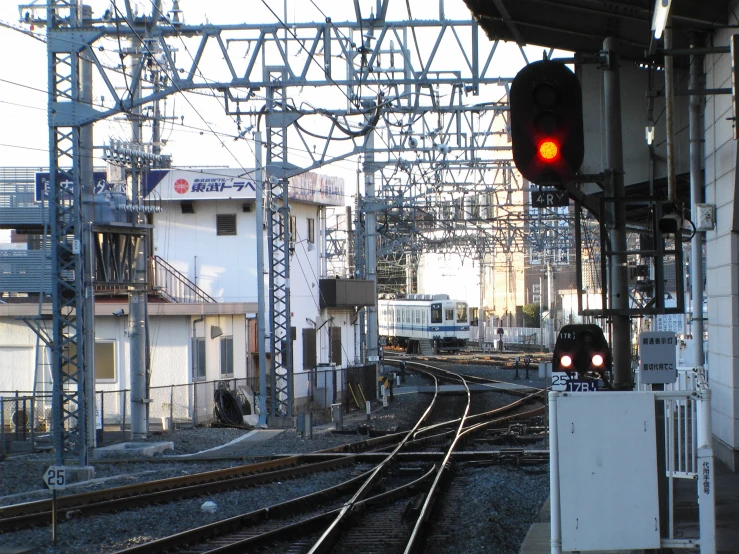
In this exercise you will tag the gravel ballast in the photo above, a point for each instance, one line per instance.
(506, 500)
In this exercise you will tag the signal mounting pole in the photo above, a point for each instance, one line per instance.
(615, 220)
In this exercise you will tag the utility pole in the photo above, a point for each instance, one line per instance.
(261, 314)
(360, 265)
(69, 307)
(137, 296)
(481, 309)
(696, 186)
(370, 235)
(278, 169)
(87, 182)
(541, 327)
(552, 305)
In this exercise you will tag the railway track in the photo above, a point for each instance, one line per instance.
(345, 526)
(430, 446)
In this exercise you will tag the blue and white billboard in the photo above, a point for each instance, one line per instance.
(66, 185)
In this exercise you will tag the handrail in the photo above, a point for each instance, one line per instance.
(688, 455)
(173, 285)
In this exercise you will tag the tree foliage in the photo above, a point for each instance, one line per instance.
(531, 315)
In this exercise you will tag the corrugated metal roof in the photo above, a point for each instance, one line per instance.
(582, 25)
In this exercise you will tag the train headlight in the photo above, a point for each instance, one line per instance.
(597, 360)
(565, 360)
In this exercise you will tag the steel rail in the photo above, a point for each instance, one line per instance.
(425, 513)
(338, 516)
(328, 537)
(194, 538)
(158, 492)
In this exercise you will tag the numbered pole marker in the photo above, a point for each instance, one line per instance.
(55, 477)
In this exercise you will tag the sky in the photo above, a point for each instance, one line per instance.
(199, 132)
(23, 83)
(204, 137)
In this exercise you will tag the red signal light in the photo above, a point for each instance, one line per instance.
(597, 360)
(548, 150)
(565, 360)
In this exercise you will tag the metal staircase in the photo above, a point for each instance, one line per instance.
(426, 347)
(173, 286)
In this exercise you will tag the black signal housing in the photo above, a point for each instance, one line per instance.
(547, 123)
(584, 345)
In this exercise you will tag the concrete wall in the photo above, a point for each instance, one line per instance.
(722, 260)
(634, 83)
(17, 356)
(225, 266)
(233, 326)
(170, 353)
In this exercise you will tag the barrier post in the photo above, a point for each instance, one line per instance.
(123, 419)
(2, 427)
(555, 524)
(706, 483)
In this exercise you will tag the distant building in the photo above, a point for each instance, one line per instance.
(203, 301)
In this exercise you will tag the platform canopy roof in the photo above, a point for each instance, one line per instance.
(582, 25)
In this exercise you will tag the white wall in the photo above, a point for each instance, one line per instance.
(17, 356)
(170, 352)
(722, 258)
(232, 326)
(225, 266)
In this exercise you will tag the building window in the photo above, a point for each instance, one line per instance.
(105, 362)
(225, 224)
(311, 230)
(198, 359)
(227, 356)
(310, 358)
(293, 228)
(335, 345)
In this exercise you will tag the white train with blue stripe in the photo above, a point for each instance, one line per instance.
(405, 322)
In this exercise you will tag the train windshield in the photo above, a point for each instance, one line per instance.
(436, 313)
(461, 312)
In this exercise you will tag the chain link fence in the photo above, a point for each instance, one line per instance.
(179, 406)
(15, 422)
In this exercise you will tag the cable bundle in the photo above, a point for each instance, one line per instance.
(226, 408)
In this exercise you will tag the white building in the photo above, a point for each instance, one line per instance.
(202, 313)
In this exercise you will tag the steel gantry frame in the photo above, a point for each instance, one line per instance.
(362, 59)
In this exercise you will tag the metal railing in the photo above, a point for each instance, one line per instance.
(173, 406)
(688, 458)
(15, 419)
(174, 286)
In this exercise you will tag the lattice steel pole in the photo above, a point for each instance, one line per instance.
(281, 365)
(69, 419)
